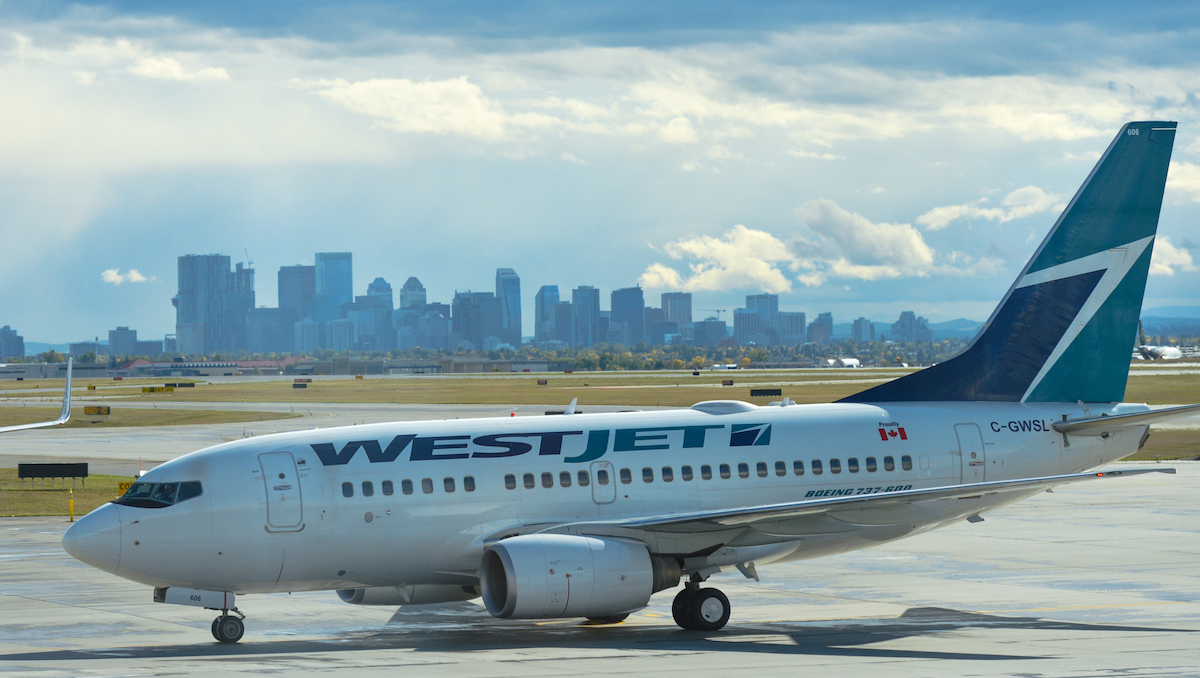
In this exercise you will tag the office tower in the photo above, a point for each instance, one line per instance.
(433, 329)
(543, 313)
(339, 335)
(475, 318)
(508, 291)
(297, 285)
(911, 328)
(746, 328)
(585, 309)
(792, 328)
(270, 330)
(379, 294)
(335, 274)
(307, 337)
(203, 323)
(241, 300)
(656, 325)
(863, 330)
(412, 295)
(122, 341)
(562, 323)
(151, 348)
(78, 349)
(170, 344)
(820, 331)
(709, 332)
(629, 313)
(677, 306)
(767, 307)
(12, 345)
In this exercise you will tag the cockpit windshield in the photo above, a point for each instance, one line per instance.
(159, 495)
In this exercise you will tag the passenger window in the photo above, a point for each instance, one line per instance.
(626, 476)
(906, 463)
(798, 468)
(762, 469)
(547, 479)
(835, 465)
(667, 474)
(685, 472)
(852, 464)
(602, 476)
(816, 467)
(889, 464)
(528, 480)
(387, 488)
(743, 470)
(368, 489)
(448, 484)
(189, 490)
(427, 485)
(564, 478)
(780, 469)
(347, 489)
(647, 475)
(584, 480)
(725, 471)
(406, 486)
(510, 482)
(469, 483)
(706, 472)
(871, 465)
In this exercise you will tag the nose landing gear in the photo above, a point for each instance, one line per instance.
(697, 609)
(227, 628)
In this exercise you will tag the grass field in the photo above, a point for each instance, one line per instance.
(10, 416)
(36, 502)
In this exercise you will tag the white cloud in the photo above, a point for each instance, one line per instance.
(114, 276)
(813, 155)
(1020, 203)
(85, 78)
(1167, 258)
(743, 258)
(567, 157)
(166, 68)
(1183, 179)
(678, 131)
(848, 245)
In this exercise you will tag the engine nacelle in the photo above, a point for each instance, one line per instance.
(423, 594)
(538, 576)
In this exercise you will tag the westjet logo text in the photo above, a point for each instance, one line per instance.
(572, 446)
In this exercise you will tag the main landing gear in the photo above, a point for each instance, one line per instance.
(697, 609)
(227, 628)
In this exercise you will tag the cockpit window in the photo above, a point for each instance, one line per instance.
(159, 495)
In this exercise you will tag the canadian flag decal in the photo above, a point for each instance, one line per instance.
(886, 433)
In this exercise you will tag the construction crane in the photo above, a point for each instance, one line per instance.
(249, 264)
(718, 311)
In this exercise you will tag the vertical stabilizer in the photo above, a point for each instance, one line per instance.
(1063, 331)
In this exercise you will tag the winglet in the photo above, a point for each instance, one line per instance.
(62, 418)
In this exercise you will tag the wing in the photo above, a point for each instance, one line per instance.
(63, 417)
(739, 535)
(1104, 425)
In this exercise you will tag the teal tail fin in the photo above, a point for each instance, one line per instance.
(1064, 331)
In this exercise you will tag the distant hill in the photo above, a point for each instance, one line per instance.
(960, 328)
(1171, 312)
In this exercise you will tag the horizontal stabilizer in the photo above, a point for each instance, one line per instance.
(1098, 426)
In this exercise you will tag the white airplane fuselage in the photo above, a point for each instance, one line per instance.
(274, 515)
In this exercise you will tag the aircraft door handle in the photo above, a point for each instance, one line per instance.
(976, 463)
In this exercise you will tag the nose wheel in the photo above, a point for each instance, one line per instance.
(697, 609)
(227, 628)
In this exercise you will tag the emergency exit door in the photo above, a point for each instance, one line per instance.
(285, 511)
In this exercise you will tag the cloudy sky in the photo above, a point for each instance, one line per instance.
(860, 160)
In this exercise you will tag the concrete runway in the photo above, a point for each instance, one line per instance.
(1098, 578)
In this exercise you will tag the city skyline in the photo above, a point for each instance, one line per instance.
(906, 158)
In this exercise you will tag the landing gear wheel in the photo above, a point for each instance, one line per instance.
(680, 606)
(228, 629)
(709, 610)
(614, 619)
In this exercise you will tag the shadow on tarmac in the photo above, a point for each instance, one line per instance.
(468, 629)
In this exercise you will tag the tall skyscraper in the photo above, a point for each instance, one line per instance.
(379, 293)
(585, 307)
(508, 291)
(12, 345)
(475, 318)
(240, 302)
(862, 330)
(543, 313)
(792, 328)
(297, 285)
(677, 306)
(122, 341)
(767, 307)
(335, 274)
(820, 331)
(412, 295)
(910, 327)
(562, 323)
(203, 323)
(629, 310)
(746, 326)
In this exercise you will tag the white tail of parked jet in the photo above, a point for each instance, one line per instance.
(63, 416)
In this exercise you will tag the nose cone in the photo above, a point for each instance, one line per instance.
(96, 539)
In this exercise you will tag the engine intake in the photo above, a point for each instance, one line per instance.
(540, 576)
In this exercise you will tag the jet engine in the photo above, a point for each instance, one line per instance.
(424, 594)
(553, 575)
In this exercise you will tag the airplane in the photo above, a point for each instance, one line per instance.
(1147, 352)
(63, 417)
(589, 515)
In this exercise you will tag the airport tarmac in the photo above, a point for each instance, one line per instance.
(1099, 578)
